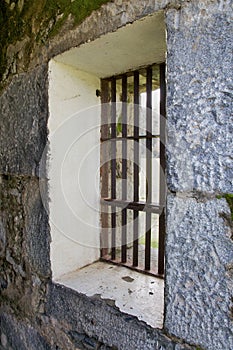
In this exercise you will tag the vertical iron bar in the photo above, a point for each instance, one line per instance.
(148, 165)
(136, 167)
(124, 168)
(148, 242)
(105, 167)
(113, 164)
(162, 194)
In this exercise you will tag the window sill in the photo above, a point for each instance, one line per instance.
(134, 293)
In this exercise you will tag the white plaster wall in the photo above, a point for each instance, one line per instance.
(73, 167)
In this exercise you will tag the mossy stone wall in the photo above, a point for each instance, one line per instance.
(27, 24)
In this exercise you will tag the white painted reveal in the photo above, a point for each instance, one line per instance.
(74, 138)
(73, 168)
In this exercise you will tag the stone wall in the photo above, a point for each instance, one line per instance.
(28, 25)
(38, 314)
(199, 249)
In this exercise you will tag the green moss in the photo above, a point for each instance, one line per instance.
(79, 9)
(39, 21)
(229, 199)
(3, 38)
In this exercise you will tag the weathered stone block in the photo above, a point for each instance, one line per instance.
(199, 101)
(100, 322)
(199, 251)
(24, 229)
(37, 234)
(24, 114)
(19, 335)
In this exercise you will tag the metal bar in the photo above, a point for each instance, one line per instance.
(162, 195)
(162, 231)
(124, 169)
(135, 138)
(148, 242)
(113, 243)
(149, 273)
(148, 165)
(135, 237)
(105, 165)
(136, 167)
(124, 106)
(138, 206)
(113, 165)
(148, 133)
(124, 237)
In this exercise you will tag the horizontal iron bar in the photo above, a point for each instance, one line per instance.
(129, 138)
(108, 259)
(129, 73)
(139, 206)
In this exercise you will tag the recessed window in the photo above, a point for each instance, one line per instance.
(132, 172)
(106, 167)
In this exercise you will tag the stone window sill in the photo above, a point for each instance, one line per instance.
(134, 293)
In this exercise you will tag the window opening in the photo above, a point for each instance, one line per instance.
(132, 172)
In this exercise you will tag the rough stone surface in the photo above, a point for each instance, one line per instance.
(25, 262)
(24, 114)
(199, 284)
(19, 335)
(19, 47)
(199, 99)
(199, 251)
(37, 234)
(2, 239)
(94, 321)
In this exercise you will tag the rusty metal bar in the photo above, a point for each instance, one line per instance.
(139, 137)
(148, 165)
(105, 165)
(148, 242)
(113, 165)
(134, 268)
(148, 133)
(162, 193)
(124, 169)
(136, 167)
(138, 206)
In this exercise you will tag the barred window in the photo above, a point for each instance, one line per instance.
(132, 169)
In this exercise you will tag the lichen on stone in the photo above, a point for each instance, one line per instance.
(37, 21)
(229, 199)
